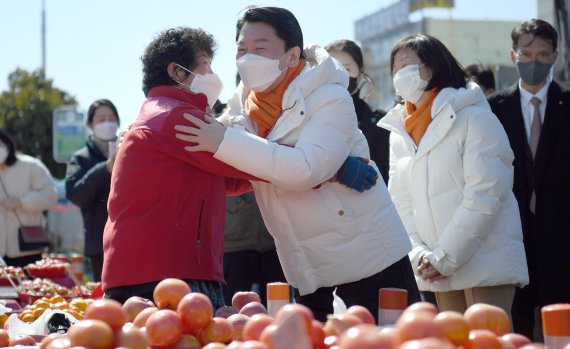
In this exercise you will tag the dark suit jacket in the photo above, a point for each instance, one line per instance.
(547, 236)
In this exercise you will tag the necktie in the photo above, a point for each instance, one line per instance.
(535, 129)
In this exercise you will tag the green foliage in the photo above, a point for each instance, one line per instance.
(26, 114)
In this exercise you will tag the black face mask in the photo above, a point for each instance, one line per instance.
(352, 84)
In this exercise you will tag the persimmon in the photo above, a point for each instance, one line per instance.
(130, 336)
(108, 311)
(363, 336)
(482, 339)
(487, 317)
(140, 319)
(454, 327)
(255, 325)
(362, 313)
(163, 328)
(295, 308)
(218, 330)
(4, 338)
(196, 311)
(417, 325)
(95, 334)
(168, 293)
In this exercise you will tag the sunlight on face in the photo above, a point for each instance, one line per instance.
(405, 57)
(103, 113)
(260, 38)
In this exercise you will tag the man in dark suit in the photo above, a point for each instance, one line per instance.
(536, 116)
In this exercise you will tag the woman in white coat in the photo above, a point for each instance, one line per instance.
(451, 179)
(26, 189)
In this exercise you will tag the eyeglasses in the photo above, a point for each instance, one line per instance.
(542, 56)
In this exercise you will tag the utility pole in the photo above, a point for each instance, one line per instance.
(43, 71)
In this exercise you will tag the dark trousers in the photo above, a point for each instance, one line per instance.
(22, 261)
(96, 266)
(210, 288)
(244, 268)
(364, 292)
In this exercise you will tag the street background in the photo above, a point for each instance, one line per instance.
(93, 48)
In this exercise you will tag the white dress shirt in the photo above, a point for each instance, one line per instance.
(528, 109)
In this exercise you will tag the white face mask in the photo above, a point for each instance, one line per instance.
(408, 83)
(209, 84)
(106, 130)
(257, 72)
(3, 154)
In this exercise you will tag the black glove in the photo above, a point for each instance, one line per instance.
(357, 174)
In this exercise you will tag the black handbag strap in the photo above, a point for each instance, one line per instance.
(7, 197)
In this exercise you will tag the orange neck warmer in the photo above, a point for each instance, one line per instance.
(265, 108)
(418, 119)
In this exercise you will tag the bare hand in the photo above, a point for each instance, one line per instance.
(428, 272)
(207, 135)
(11, 204)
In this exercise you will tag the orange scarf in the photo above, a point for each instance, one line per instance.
(265, 108)
(418, 119)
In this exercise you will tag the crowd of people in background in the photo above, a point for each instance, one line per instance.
(458, 192)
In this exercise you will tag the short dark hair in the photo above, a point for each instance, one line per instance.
(286, 26)
(536, 28)
(446, 70)
(7, 140)
(350, 47)
(181, 45)
(98, 103)
(482, 76)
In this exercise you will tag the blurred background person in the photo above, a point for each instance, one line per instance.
(349, 54)
(88, 178)
(26, 190)
(451, 180)
(482, 76)
(535, 113)
(250, 257)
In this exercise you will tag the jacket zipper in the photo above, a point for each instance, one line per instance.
(199, 231)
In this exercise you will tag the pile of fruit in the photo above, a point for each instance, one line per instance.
(75, 307)
(32, 290)
(180, 318)
(87, 290)
(14, 273)
(48, 267)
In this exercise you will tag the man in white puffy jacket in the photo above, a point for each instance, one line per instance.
(292, 123)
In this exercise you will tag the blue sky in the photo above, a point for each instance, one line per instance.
(94, 47)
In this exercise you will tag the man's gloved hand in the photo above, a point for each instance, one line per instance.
(357, 174)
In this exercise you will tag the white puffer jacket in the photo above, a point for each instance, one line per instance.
(454, 193)
(326, 234)
(30, 181)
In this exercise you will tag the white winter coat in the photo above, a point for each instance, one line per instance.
(454, 193)
(326, 234)
(30, 181)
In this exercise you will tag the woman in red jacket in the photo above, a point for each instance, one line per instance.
(167, 206)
